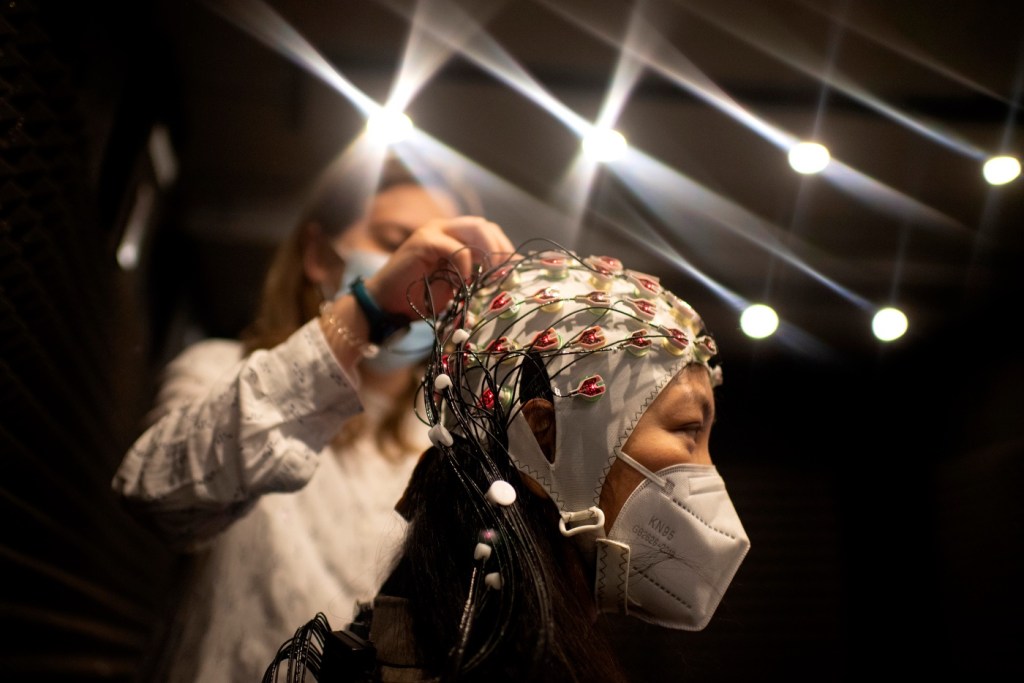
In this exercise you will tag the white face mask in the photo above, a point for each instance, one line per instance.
(673, 549)
(401, 351)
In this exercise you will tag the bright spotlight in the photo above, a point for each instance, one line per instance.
(889, 324)
(604, 144)
(1001, 170)
(388, 127)
(759, 321)
(808, 157)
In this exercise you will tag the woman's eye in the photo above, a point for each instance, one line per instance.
(690, 428)
(389, 236)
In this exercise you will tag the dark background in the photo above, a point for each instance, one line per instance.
(880, 484)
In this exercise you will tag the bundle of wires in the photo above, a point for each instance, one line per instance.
(303, 653)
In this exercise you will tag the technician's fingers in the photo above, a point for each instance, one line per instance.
(480, 235)
(462, 242)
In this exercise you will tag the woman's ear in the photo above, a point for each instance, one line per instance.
(540, 415)
(320, 262)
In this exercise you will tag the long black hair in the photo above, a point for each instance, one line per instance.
(535, 619)
(541, 624)
(538, 625)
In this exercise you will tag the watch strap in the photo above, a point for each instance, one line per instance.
(382, 323)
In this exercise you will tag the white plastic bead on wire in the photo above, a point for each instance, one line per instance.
(460, 335)
(440, 436)
(482, 552)
(493, 580)
(500, 493)
(442, 382)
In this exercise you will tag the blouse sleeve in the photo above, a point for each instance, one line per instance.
(227, 431)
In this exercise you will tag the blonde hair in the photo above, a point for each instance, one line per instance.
(289, 298)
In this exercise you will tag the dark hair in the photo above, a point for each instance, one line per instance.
(541, 625)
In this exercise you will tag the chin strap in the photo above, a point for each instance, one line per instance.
(591, 513)
(611, 580)
(611, 557)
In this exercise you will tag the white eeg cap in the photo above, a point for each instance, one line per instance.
(610, 339)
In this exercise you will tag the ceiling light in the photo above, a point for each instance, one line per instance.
(808, 157)
(889, 324)
(1001, 170)
(604, 144)
(388, 126)
(759, 321)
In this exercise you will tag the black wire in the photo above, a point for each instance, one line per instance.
(303, 652)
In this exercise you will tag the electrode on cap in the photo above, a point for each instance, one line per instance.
(460, 335)
(500, 493)
(493, 580)
(442, 382)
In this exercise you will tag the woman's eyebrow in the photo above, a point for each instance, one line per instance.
(694, 396)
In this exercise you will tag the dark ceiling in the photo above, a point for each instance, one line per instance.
(909, 96)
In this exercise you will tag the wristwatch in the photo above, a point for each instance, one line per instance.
(382, 324)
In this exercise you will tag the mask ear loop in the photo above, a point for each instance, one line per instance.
(662, 483)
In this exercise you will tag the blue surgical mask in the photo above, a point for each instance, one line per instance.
(404, 351)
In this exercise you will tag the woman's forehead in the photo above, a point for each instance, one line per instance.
(690, 387)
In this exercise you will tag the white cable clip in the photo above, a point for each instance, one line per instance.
(459, 336)
(439, 435)
(592, 512)
(500, 493)
(442, 382)
(482, 552)
(493, 580)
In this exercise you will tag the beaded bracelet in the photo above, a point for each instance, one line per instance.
(365, 348)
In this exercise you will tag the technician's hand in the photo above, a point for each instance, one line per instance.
(461, 242)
